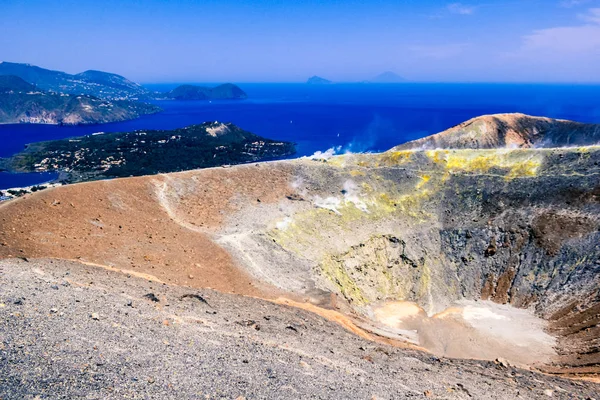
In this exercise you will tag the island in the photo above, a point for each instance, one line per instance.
(387, 77)
(317, 80)
(109, 86)
(226, 91)
(145, 152)
(23, 102)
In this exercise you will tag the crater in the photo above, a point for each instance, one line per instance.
(467, 253)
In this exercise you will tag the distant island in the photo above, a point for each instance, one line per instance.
(221, 92)
(31, 94)
(108, 86)
(146, 152)
(317, 80)
(387, 77)
(22, 102)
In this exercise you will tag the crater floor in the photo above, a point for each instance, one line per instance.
(473, 329)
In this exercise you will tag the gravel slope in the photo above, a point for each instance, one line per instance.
(69, 330)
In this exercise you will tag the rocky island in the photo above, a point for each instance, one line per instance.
(147, 152)
(387, 77)
(227, 91)
(22, 102)
(317, 80)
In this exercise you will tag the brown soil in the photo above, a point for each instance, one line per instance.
(122, 224)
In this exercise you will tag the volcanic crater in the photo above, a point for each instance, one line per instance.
(465, 252)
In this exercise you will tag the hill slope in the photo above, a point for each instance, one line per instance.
(240, 347)
(11, 83)
(510, 131)
(21, 102)
(94, 83)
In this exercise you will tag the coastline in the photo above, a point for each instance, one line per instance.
(15, 192)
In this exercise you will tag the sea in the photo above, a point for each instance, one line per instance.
(345, 117)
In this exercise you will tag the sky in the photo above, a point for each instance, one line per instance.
(153, 41)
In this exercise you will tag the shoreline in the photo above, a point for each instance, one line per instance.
(5, 194)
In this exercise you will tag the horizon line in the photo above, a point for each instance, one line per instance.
(191, 82)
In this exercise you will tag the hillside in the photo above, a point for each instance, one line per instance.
(238, 346)
(221, 92)
(93, 83)
(147, 152)
(510, 131)
(11, 83)
(21, 102)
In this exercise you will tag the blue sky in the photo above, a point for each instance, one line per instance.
(287, 41)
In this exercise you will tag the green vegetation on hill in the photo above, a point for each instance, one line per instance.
(147, 152)
(11, 83)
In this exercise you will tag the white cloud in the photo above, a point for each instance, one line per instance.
(567, 39)
(459, 8)
(576, 39)
(592, 16)
(573, 3)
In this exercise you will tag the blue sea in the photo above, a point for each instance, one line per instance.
(356, 117)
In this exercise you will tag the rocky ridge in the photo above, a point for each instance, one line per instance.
(510, 131)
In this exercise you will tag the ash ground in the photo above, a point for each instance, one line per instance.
(69, 330)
